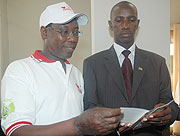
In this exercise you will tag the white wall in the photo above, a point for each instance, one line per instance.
(24, 34)
(154, 27)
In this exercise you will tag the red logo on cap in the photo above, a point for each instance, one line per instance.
(66, 8)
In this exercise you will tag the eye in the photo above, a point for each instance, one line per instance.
(132, 19)
(118, 19)
(65, 32)
(76, 32)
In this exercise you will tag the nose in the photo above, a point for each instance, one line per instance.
(125, 24)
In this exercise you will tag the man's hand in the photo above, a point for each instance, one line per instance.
(124, 126)
(97, 121)
(159, 118)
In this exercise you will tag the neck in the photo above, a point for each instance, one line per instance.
(51, 57)
(125, 45)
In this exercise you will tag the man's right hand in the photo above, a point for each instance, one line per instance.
(97, 121)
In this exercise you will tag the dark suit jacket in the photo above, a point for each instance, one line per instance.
(104, 84)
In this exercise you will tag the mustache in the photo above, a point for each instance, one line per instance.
(70, 45)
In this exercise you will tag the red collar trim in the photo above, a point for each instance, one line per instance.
(40, 58)
(67, 62)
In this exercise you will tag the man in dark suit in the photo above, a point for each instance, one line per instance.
(137, 78)
(179, 114)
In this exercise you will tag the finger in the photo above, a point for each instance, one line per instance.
(158, 105)
(112, 120)
(114, 112)
(111, 125)
(165, 110)
(123, 128)
(107, 128)
(159, 121)
(108, 124)
(162, 114)
(165, 118)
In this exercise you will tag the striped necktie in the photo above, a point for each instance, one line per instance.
(127, 73)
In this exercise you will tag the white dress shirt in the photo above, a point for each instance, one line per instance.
(119, 49)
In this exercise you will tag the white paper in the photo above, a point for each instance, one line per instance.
(134, 115)
(131, 115)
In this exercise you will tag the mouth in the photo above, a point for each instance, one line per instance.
(125, 35)
(70, 48)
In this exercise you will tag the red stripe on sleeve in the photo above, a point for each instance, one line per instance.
(15, 124)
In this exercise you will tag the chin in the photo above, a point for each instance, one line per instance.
(126, 42)
(68, 56)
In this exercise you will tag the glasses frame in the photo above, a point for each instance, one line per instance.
(69, 33)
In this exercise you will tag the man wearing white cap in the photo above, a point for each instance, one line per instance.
(42, 95)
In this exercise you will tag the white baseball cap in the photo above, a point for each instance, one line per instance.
(61, 13)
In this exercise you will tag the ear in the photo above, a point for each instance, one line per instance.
(110, 25)
(138, 23)
(43, 32)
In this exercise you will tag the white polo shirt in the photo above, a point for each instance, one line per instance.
(37, 91)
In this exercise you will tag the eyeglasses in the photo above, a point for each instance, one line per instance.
(66, 33)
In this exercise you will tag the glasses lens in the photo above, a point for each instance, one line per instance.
(64, 33)
(76, 33)
(67, 33)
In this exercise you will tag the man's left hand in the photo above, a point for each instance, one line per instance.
(159, 118)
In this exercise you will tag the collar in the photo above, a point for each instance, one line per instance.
(40, 58)
(119, 49)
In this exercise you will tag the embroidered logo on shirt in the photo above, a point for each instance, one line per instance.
(79, 89)
(8, 107)
(140, 68)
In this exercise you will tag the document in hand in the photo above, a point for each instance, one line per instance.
(135, 115)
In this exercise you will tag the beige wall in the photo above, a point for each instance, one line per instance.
(4, 54)
(0, 39)
(3, 38)
(19, 36)
(23, 28)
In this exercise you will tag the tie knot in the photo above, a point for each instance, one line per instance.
(126, 53)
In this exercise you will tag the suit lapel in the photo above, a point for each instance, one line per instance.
(139, 69)
(113, 67)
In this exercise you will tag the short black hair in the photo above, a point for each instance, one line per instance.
(122, 2)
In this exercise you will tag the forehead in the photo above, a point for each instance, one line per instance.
(124, 10)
